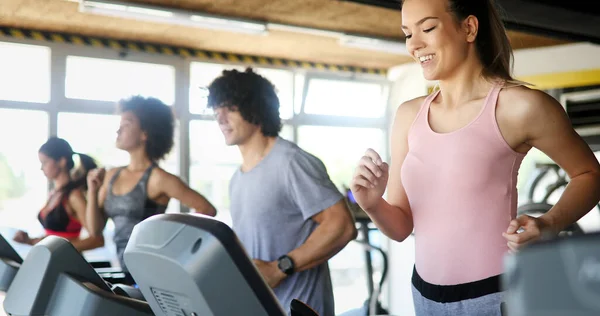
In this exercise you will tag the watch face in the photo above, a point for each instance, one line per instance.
(285, 263)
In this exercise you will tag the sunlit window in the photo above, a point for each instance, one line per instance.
(111, 80)
(350, 145)
(345, 98)
(99, 142)
(23, 187)
(24, 72)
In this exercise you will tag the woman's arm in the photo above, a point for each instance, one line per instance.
(393, 217)
(547, 127)
(97, 186)
(89, 243)
(78, 205)
(23, 238)
(173, 187)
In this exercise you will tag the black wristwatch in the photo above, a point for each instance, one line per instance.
(286, 264)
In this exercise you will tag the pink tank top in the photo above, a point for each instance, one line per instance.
(461, 187)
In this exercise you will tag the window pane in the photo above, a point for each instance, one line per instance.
(212, 163)
(111, 80)
(23, 187)
(345, 98)
(350, 144)
(287, 132)
(201, 75)
(25, 74)
(99, 142)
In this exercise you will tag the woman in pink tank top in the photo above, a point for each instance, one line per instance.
(455, 155)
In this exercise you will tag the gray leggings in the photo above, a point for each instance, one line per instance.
(488, 305)
(479, 298)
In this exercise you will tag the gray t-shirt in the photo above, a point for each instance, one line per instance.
(271, 210)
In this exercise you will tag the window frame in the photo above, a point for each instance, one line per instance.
(60, 103)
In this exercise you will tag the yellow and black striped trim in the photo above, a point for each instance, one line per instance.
(123, 45)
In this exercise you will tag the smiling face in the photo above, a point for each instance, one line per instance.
(234, 127)
(434, 38)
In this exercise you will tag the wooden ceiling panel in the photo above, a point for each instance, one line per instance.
(323, 14)
(63, 16)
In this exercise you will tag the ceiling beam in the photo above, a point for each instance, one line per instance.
(554, 21)
(559, 19)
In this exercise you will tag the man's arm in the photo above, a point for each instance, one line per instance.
(317, 199)
(336, 229)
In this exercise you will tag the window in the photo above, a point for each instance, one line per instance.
(99, 142)
(345, 98)
(25, 74)
(202, 74)
(23, 187)
(350, 144)
(111, 80)
(212, 163)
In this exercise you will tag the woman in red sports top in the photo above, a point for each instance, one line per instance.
(65, 209)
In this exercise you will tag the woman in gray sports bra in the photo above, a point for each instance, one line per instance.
(130, 194)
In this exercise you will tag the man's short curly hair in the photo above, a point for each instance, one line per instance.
(156, 119)
(253, 95)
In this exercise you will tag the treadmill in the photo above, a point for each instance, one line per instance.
(554, 277)
(184, 265)
(55, 279)
(192, 265)
(10, 261)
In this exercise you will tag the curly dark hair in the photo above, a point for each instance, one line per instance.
(252, 94)
(156, 119)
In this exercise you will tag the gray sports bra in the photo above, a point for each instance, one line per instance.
(129, 209)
